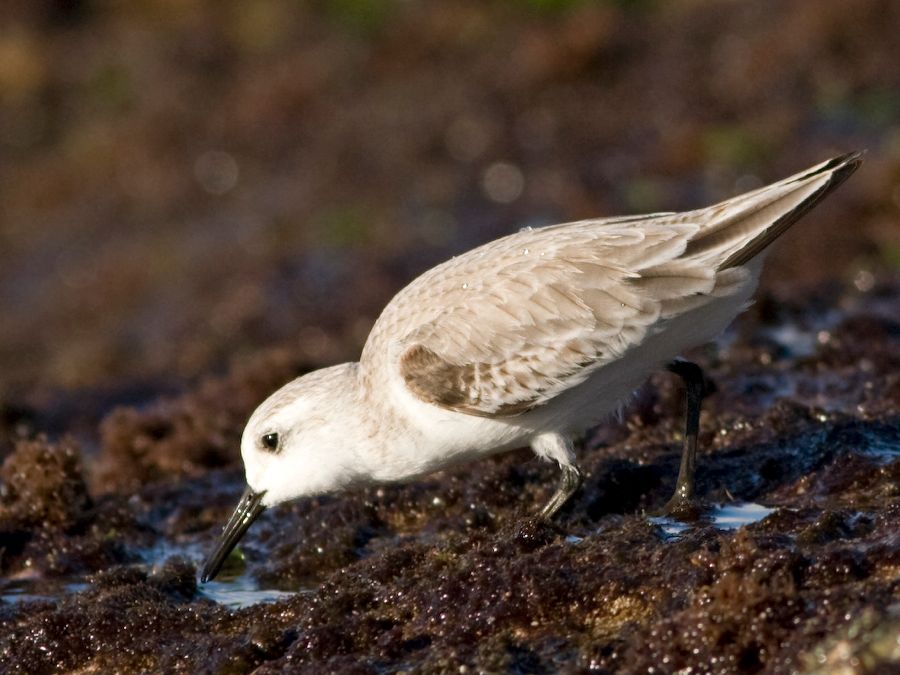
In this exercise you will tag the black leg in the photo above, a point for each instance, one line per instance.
(695, 387)
(569, 481)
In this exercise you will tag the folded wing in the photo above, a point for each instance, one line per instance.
(518, 321)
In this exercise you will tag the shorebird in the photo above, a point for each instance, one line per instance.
(527, 340)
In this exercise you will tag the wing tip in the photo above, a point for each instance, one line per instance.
(837, 169)
(840, 166)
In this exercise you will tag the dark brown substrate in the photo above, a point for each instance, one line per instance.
(452, 571)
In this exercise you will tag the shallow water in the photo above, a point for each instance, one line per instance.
(234, 591)
(670, 527)
(240, 592)
(722, 516)
(233, 588)
(884, 452)
(237, 593)
(733, 516)
(38, 590)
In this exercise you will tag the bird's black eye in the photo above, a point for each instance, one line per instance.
(270, 441)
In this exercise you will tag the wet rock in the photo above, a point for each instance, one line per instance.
(453, 572)
(176, 578)
(43, 486)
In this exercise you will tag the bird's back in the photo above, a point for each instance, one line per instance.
(511, 324)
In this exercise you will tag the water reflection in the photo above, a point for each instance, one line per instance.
(722, 516)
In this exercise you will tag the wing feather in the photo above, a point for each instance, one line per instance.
(536, 327)
(512, 324)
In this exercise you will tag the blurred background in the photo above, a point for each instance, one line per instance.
(185, 183)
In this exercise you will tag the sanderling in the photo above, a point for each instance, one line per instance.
(526, 340)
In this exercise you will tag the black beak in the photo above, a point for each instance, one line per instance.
(247, 510)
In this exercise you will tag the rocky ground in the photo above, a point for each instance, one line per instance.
(454, 571)
(207, 203)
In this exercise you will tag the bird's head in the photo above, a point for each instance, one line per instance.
(295, 444)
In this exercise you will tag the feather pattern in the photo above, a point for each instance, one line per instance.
(527, 317)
